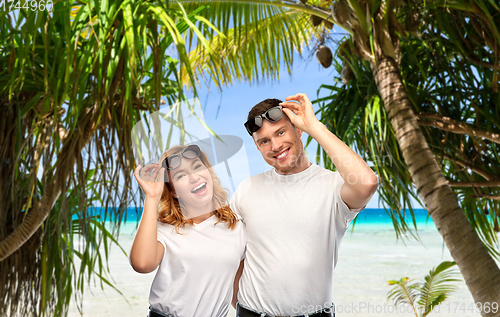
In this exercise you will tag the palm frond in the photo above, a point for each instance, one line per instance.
(437, 286)
(405, 291)
(74, 82)
(259, 37)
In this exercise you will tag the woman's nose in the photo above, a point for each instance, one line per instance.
(193, 177)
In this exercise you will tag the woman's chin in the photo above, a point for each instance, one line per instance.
(199, 204)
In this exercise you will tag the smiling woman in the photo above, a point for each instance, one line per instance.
(185, 222)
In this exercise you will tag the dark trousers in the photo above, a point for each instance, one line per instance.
(248, 312)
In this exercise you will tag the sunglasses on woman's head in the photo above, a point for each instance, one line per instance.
(272, 115)
(173, 161)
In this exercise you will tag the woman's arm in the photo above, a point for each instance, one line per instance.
(147, 252)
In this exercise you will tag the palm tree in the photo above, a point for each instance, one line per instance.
(375, 28)
(426, 296)
(75, 79)
(469, 163)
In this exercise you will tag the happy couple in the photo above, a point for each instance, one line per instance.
(272, 250)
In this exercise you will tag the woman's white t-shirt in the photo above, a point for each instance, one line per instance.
(195, 276)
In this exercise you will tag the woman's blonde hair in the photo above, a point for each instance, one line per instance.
(170, 211)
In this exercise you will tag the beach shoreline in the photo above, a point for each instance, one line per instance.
(368, 257)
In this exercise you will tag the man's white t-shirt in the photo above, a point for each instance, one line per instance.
(195, 276)
(294, 224)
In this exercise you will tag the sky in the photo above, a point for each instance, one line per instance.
(235, 102)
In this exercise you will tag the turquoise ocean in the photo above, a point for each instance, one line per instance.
(368, 217)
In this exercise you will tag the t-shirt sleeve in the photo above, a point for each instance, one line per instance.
(160, 234)
(234, 203)
(244, 226)
(244, 254)
(343, 215)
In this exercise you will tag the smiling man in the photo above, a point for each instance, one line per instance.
(296, 214)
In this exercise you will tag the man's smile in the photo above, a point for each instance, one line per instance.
(283, 154)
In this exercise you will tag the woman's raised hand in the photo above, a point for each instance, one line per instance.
(151, 179)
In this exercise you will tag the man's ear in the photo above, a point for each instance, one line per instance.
(299, 132)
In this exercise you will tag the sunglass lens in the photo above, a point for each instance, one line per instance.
(274, 114)
(191, 152)
(173, 162)
(255, 124)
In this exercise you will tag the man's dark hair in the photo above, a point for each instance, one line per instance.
(263, 106)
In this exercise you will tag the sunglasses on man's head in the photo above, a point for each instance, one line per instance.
(173, 161)
(272, 115)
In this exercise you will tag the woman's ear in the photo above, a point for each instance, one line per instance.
(174, 194)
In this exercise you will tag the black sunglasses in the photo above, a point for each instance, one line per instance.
(272, 115)
(173, 161)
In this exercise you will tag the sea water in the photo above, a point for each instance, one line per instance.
(370, 255)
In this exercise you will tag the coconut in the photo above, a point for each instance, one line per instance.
(340, 12)
(344, 49)
(324, 56)
(316, 20)
(347, 74)
(328, 24)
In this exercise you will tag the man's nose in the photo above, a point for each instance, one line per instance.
(275, 144)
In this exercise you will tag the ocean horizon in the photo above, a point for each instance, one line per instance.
(368, 217)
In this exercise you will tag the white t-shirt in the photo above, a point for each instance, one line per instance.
(195, 277)
(295, 224)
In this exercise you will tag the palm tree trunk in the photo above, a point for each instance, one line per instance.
(34, 219)
(478, 268)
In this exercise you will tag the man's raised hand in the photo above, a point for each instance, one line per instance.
(301, 114)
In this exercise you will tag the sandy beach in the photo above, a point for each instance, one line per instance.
(368, 258)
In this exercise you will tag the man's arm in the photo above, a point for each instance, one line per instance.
(360, 182)
(236, 284)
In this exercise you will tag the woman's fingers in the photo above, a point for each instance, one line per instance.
(156, 174)
(136, 172)
(160, 175)
(149, 172)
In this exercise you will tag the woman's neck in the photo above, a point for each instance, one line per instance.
(200, 213)
(201, 218)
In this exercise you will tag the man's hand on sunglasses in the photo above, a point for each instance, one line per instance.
(304, 117)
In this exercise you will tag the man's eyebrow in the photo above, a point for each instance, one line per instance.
(261, 139)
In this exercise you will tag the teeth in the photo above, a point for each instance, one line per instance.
(282, 154)
(198, 187)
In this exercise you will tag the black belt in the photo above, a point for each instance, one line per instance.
(153, 313)
(243, 312)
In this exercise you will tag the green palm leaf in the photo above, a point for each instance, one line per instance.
(424, 297)
(405, 291)
(73, 83)
(260, 36)
(437, 286)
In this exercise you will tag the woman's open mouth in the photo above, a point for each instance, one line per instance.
(200, 189)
